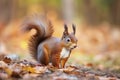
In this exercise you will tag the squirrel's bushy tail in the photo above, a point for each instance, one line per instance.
(44, 30)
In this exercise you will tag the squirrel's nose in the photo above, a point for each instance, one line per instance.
(75, 46)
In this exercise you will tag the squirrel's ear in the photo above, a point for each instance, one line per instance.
(74, 29)
(65, 29)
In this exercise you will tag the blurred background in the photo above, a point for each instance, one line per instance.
(97, 22)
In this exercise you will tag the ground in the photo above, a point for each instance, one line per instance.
(26, 70)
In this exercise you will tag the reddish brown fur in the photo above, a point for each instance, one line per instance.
(45, 48)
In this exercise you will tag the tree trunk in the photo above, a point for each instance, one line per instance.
(68, 10)
(5, 9)
(115, 12)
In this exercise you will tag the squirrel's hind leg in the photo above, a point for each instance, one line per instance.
(44, 57)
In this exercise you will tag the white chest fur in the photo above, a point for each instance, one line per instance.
(64, 53)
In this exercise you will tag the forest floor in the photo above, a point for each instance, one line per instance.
(25, 70)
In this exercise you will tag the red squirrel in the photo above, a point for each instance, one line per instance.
(44, 47)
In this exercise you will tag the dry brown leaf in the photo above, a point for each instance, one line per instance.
(15, 74)
(69, 70)
(7, 60)
(29, 69)
(51, 68)
(89, 65)
(8, 71)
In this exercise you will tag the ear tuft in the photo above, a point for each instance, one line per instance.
(74, 29)
(65, 29)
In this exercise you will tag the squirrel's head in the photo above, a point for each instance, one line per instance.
(69, 38)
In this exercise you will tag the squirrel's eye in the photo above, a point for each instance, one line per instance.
(68, 40)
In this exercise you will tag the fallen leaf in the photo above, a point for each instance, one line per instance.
(7, 60)
(51, 68)
(8, 71)
(29, 69)
(15, 74)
